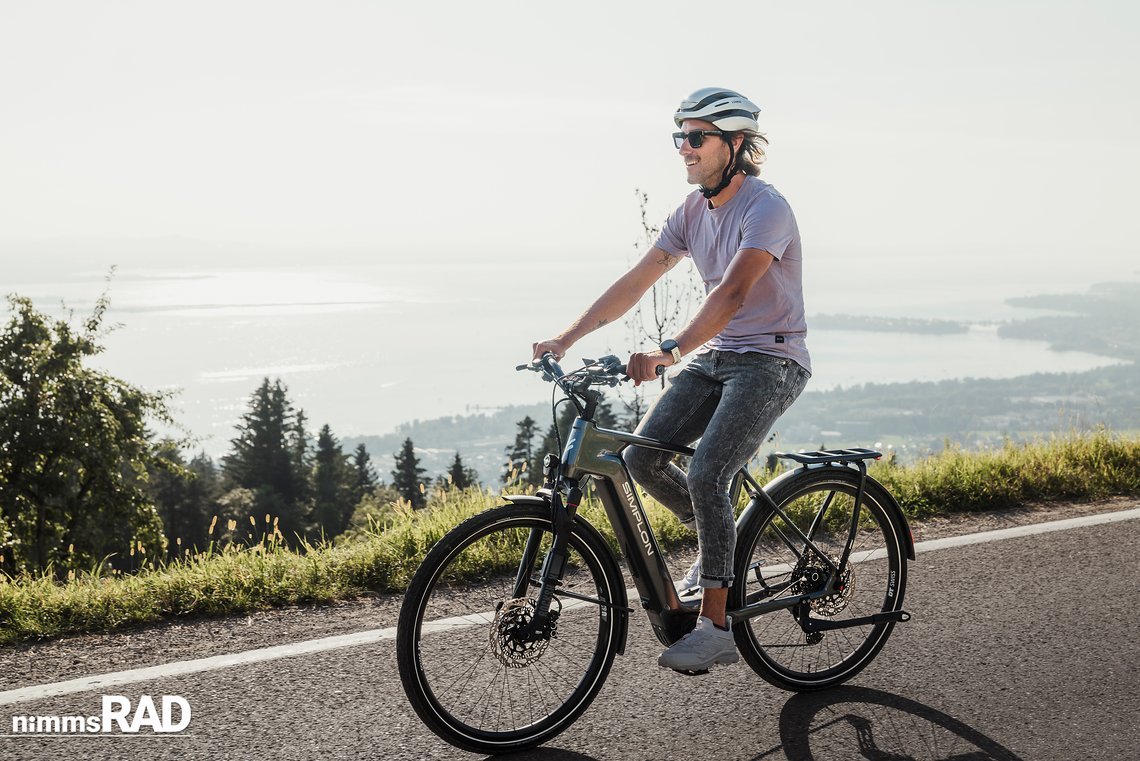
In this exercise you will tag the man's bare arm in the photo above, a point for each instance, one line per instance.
(724, 301)
(618, 299)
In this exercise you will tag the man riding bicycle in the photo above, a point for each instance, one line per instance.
(749, 336)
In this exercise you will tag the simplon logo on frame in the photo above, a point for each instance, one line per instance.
(168, 714)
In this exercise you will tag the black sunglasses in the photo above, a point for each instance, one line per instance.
(696, 138)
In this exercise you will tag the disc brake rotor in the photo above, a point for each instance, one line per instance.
(509, 641)
(812, 573)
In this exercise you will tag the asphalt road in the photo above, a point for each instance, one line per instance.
(1026, 648)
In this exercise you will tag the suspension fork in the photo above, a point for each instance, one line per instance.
(530, 553)
(554, 566)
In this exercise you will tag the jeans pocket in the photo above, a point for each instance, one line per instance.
(798, 382)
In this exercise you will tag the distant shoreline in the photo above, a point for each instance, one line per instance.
(887, 324)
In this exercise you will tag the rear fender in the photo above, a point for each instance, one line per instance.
(762, 503)
(897, 515)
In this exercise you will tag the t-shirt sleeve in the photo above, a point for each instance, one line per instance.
(769, 226)
(672, 237)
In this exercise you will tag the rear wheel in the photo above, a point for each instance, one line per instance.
(774, 562)
(471, 670)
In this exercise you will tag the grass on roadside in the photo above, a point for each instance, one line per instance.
(239, 580)
(1072, 467)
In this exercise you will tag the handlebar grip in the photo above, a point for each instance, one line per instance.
(550, 364)
(620, 369)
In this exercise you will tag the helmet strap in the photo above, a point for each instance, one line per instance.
(729, 172)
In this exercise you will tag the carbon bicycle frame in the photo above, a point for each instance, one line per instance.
(594, 451)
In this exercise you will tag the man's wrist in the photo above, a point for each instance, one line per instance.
(670, 347)
(658, 357)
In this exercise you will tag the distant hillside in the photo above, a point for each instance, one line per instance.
(1106, 320)
(480, 439)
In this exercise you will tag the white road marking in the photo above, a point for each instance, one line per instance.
(104, 682)
(1029, 530)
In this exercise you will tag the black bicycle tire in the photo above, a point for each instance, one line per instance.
(877, 499)
(588, 543)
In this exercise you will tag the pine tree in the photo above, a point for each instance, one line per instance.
(186, 496)
(268, 458)
(407, 478)
(521, 453)
(302, 457)
(364, 478)
(332, 486)
(202, 495)
(460, 476)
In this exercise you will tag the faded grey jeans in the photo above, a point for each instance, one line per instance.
(729, 401)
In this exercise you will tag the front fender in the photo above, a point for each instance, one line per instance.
(538, 499)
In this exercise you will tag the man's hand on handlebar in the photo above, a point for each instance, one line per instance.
(642, 366)
(553, 345)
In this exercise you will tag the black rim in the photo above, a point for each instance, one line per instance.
(874, 584)
(483, 683)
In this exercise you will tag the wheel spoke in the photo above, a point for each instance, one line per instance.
(475, 673)
(820, 510)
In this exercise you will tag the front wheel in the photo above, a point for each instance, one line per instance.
(471, 669)
(773, 561)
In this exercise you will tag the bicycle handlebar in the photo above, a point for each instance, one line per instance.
(606, 371)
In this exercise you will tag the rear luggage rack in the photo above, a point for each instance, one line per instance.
(855, 454)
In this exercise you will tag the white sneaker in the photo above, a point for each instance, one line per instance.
(703, 647)
(691, 579)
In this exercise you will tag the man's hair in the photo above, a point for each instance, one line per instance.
(751, 154)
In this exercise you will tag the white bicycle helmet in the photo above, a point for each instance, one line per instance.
(727, 109)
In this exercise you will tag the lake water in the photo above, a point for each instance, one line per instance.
(366, 345)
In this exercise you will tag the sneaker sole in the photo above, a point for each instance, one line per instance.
(725, 660)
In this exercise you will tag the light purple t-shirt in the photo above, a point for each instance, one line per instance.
(772, 317)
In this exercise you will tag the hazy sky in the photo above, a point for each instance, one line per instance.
(465, 129)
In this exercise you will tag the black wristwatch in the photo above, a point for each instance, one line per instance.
(671, 346)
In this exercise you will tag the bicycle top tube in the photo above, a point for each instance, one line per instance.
(648, 442)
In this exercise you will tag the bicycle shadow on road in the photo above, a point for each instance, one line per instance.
(543, 753)
(857, 722)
